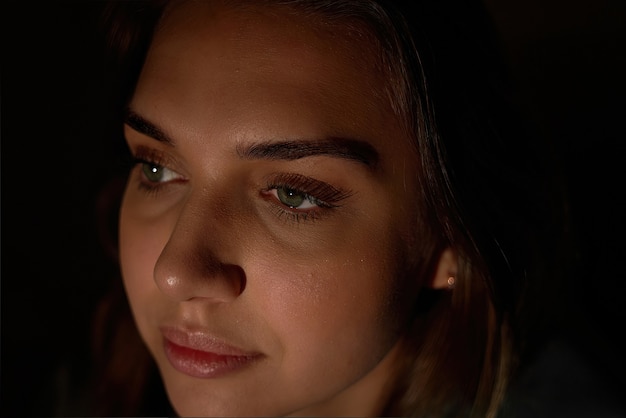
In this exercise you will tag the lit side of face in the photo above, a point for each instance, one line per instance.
(262, 233)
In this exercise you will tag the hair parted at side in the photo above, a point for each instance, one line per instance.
(478, 188)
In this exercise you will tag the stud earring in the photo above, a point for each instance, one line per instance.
(451, 282)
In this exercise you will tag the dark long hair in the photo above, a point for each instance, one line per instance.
(483, 193)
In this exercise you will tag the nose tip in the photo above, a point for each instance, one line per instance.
(201, 256)
(201, 276)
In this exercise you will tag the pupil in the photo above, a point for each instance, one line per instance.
(290, 197)
(152, 172)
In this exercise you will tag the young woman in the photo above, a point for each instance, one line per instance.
(331, 209)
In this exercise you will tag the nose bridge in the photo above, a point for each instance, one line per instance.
(197, 261)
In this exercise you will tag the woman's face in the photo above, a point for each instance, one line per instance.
(264, 230)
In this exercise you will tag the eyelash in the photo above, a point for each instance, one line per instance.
(324, 196)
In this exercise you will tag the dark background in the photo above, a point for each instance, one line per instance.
(568, 60)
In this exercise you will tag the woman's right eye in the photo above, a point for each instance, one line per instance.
(156, 174)
(153, 171)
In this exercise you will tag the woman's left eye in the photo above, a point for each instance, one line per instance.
(301, 196)
(295, 199)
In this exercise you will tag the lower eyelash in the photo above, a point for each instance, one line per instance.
(150, 189)
(296, 216)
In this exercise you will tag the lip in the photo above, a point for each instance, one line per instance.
(202, 355)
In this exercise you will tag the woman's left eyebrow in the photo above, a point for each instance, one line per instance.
(347, 148)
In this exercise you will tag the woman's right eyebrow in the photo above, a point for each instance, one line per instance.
(144, 126)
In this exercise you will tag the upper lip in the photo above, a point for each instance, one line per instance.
(203, 341)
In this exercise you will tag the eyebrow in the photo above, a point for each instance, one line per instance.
(346, 148)
(144, 126)
(339, 147)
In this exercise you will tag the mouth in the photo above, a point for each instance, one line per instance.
(202, 355)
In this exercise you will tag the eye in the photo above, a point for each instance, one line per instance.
(295, 199)
(302, 197)
(155, 173)
(153, 169)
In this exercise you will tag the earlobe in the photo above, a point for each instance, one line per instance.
(445, 274)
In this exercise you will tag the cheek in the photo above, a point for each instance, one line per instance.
(337, 307)
(140, 245)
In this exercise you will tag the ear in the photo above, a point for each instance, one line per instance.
(445, 274)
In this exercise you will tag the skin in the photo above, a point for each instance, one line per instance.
(212, 248)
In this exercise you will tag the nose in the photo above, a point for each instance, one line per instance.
(196, 262)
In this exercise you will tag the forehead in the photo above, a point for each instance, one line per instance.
(260, 42)
(242, 66)
(265, 29)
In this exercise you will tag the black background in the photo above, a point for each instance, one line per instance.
(568, 59)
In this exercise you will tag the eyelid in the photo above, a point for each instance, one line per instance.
(153, 156)
(330, 195)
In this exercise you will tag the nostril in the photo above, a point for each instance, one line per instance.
(230, 277)
(238, 277)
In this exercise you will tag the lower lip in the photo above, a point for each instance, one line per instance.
(203, 364)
